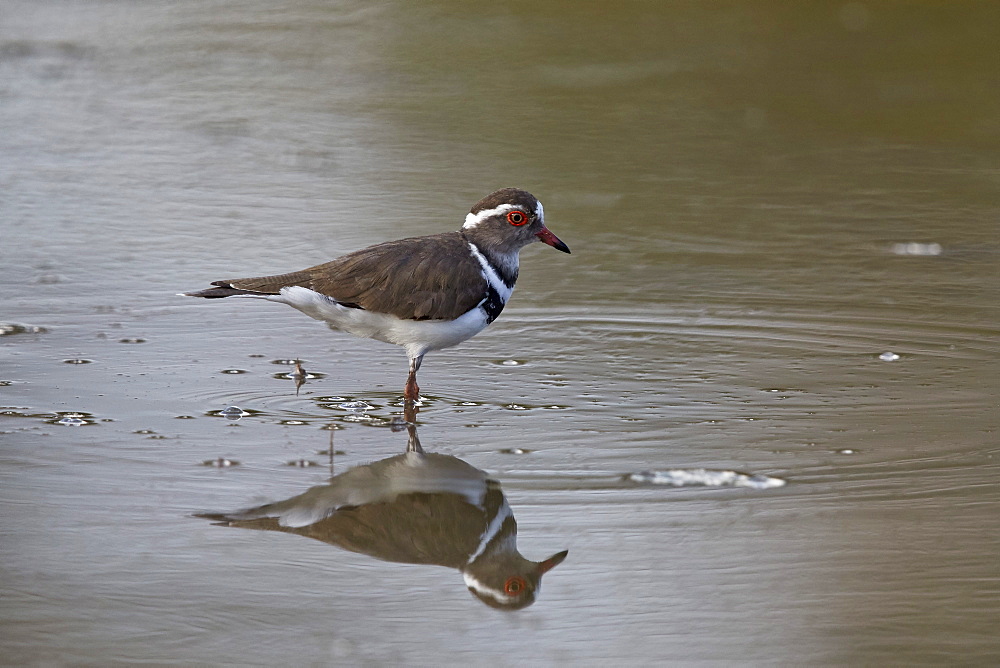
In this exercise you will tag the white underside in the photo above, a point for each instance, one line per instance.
(417, 336)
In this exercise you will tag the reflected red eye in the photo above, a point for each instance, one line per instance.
(515, 585)
(517, 218)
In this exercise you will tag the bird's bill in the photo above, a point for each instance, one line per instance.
(552, 240)
(551, 562)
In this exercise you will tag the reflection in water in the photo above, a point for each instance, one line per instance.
(299, 376)
(417, 508)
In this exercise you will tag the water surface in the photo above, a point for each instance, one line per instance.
(784, 223)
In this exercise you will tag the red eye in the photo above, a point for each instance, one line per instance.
(517, 218)
(515, 585)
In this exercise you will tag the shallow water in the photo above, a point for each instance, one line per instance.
(761, 203)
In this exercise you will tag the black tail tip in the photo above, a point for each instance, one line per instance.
(213, 293)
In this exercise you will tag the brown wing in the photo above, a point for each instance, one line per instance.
(417, 528)
(424, 278)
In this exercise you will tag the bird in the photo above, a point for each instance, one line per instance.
(414, 508)
(422, 293)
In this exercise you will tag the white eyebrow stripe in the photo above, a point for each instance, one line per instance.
(472, 583)
(473, 219)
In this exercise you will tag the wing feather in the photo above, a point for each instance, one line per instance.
(424, 278)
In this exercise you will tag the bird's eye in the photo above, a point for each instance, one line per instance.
(517, 218)
(515, 585)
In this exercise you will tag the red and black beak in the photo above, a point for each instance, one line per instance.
(556, 559)
(552, 240)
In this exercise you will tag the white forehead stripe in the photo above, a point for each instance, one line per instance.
(473, 219)
(540, 212)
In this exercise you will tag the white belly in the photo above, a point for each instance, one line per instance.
(417, 336)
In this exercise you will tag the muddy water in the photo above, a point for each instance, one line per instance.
(784, 226)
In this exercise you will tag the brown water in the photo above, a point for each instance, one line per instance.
(761, 202)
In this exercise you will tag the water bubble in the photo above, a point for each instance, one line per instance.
(9, 328)
(888, 356)
(917, 249)
(356, 406)
(232, 412)
(705, 478)
(359, 417)
(131, 340)
(77, 360)
(301, 463)
(234, 371)
(72, 420)
(514, 451)
(220, 462)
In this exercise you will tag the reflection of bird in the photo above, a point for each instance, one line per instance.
(299, 376)
(418, 508)
(424, 293)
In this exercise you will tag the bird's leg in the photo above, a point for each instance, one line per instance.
(410, 411)
(412, 442)
(412, 391)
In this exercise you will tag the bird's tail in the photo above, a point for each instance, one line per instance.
(260, 286)
(223, 289)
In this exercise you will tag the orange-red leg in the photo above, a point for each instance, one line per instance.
(412, 390)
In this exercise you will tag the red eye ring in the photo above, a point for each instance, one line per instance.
(517, 218)
(514, 586)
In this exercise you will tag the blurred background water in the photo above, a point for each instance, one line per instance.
(784, 221)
